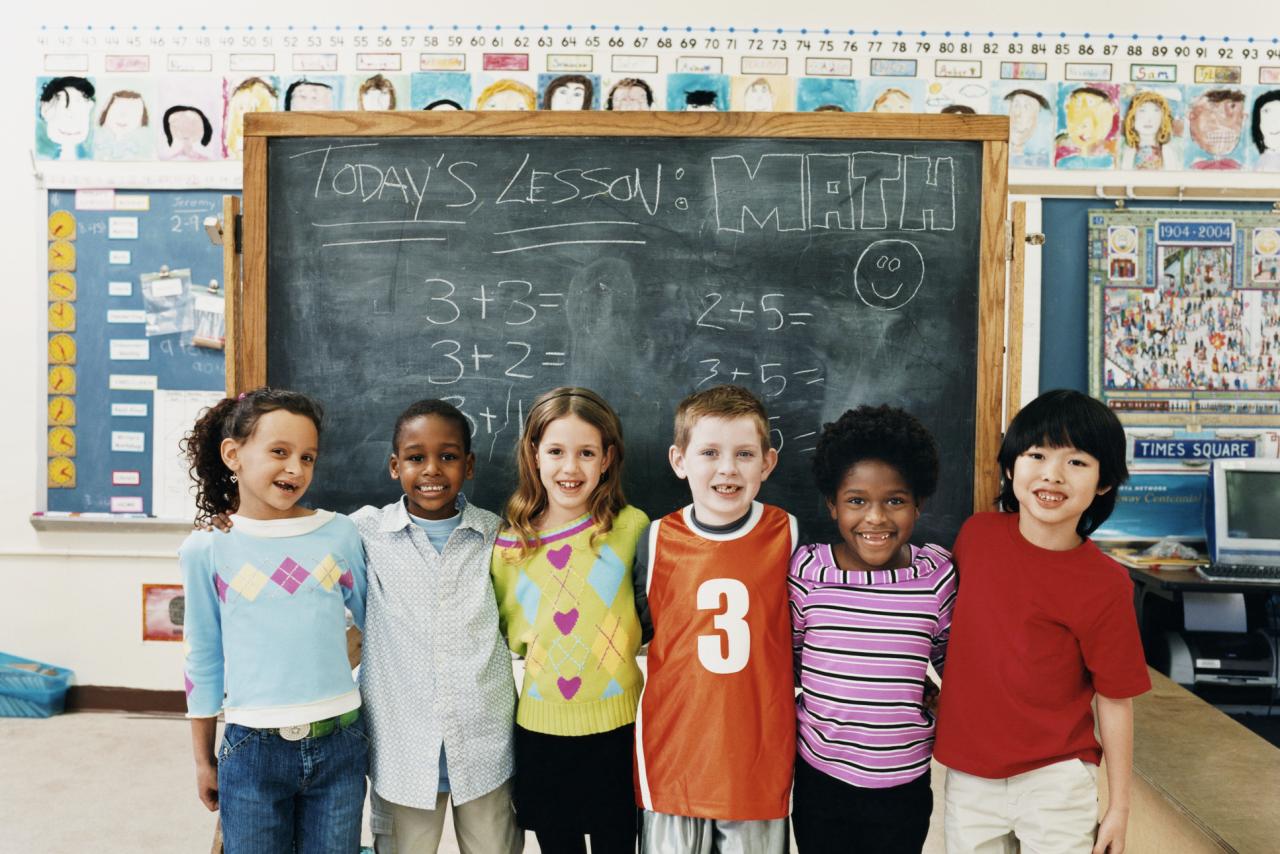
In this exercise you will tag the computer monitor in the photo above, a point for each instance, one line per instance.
(1245, 527)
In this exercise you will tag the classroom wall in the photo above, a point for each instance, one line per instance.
(73, 598)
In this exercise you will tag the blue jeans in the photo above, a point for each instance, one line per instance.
(305, 797)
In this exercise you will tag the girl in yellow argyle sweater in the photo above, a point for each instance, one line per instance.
(562, 573)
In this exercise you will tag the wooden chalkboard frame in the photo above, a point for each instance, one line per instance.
(247, 367)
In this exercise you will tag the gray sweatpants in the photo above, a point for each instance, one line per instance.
(678, 834)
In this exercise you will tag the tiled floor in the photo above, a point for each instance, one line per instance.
(124, 784)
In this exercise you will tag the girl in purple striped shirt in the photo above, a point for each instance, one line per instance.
(868, 614)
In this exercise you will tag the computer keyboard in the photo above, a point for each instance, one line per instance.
(1260, 573)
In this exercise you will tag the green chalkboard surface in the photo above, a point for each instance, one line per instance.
(819, 273)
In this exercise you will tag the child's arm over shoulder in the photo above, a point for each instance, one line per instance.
(488, 521)
(945, 593)
(366, 519)
(505, 575)
(202, 626)
(355, 582)
(640, 577)
(632, 520)
(797, 591)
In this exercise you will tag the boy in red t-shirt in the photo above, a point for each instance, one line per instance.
(1044, 623)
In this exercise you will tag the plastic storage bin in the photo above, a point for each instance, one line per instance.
(31, 689)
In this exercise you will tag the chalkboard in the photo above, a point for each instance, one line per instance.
(121, 237)
(821, 269)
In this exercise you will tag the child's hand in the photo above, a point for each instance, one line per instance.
(221, 522)
(207, 786)
(931, 692)
(1111, 833)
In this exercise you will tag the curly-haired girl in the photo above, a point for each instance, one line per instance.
(868, 614)
(266, 633)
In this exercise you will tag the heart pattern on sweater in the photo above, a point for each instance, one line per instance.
(566, 620)
(560, 557)
(569, 687)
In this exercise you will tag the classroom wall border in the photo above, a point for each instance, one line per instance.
(101, 698)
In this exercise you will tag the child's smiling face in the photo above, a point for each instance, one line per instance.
(1054, 487)
(431, 463)
(875, 512)
(725, 462)
(274, 465)
(571, 460)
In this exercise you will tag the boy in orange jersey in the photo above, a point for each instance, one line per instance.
(715, 733)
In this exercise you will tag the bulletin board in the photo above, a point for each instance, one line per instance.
(128, 291)
(1185, 315)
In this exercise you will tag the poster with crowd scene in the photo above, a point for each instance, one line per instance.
(1130, 103)
(1185, 315)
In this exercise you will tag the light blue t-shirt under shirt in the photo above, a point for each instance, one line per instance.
(438, 531)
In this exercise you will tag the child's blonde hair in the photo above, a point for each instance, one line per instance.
(1164, 134)
(507, 85)
(529, 500)
(721, 401)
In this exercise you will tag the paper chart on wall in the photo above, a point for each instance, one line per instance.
(1077, 101)
(174, 412)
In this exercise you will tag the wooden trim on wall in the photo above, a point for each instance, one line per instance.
(1108, 194)
(253, 324)
(84, 698)
(231, 292)
(1017, 285)
(604, 123)
(991, 290)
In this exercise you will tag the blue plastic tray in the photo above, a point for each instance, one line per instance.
(30, 693)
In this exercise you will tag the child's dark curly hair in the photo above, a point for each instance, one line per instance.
(883, 433)
(233, 418)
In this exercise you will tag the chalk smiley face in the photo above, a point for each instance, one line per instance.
(888, 274)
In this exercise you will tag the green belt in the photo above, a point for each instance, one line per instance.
(318, 729)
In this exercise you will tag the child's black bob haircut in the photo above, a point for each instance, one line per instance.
(1065, 418)
(440, 408)
(883, 433)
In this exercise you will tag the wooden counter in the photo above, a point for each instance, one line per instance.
(1202, 782)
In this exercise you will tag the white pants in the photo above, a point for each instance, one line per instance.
(1051, 810)
(486, 825)
(678, 834)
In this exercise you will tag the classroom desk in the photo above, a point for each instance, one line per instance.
(1157, 599)
(1168, 582)
(1201, 781)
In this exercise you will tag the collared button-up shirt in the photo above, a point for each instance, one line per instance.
(435, 671)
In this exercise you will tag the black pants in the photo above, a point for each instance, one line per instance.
(620, 841)
(832, 817)
(567, 787)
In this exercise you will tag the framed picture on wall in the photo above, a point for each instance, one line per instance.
(1184, 315)
(163, 609)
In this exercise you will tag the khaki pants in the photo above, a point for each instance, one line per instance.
(1051, 810)
(486, 825)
